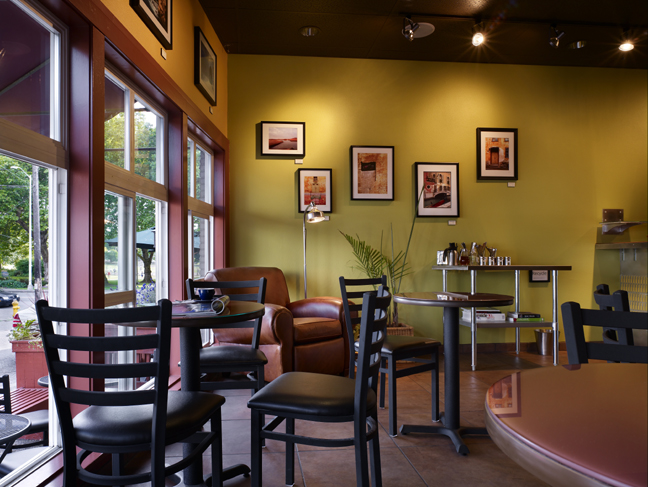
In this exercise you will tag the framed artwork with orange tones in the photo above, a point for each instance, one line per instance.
(157, 17)
(372, 173)
(283, 139)
(497, 154)
(315, 186)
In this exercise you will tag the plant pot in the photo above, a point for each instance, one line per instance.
(401, 329)
(30, 363)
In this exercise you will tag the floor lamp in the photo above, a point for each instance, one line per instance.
(311, 215)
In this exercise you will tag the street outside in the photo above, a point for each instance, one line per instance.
(7, 358)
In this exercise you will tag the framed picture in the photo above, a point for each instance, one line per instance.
(372, 173)
(204, 66)
(315, 185)
(156, 14)
(438, 185)
(540, 276)
(283, 139)
(497, 154)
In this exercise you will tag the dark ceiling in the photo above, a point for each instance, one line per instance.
(518, 31)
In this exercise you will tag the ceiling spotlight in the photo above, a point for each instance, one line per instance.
(409, 28)
(554, 37)
(309, 31)
(627, 44)
(577, 44)
(478, 37)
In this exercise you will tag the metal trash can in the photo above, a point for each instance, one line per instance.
(544, 342)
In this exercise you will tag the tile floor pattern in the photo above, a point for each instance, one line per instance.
(415, 460)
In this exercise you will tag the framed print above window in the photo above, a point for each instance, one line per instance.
(315, 186)
(372, 173)
(439, 185)
(497, 154)
(204, 66)
(157, 17)
(283, 138)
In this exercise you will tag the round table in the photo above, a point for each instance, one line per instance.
(574, 425)
(12, 426)
(450, 302)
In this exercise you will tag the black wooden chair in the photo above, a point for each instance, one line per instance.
(424, 351)
(125, 422)
(39, 419)
(579, 351)
(330, 399)
(618, 301)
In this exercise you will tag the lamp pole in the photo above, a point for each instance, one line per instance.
(313, 215)
(30, 286)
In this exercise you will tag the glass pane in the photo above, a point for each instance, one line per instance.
(118, 262)
(26, 66)
(190, 165)
(200, 247)
(145, 247)
(114, 124)
(203, 163)
(148, 133)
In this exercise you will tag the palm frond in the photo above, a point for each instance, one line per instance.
(368, 260)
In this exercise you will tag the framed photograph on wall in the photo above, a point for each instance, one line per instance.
(372, 173)
(315, 185)
(497, 154)
(157, 17)
(283, 138)
(204, 66)
(439, 184)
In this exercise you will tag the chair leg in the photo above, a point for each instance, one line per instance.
(255, 464)
(435, 386)
(290, 452)
(217, 450)
(374, 458)
(360, 446)
(393, 426)
(260, 384)
(117, 464)
(383, 365)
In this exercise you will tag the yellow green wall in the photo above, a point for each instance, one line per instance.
(179, 63)
(582, 148)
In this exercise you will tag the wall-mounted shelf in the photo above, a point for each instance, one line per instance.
(621, 245)
(617, 228)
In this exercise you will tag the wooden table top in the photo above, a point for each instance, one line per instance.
(574, 424)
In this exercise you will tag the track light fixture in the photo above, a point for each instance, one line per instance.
(409, 27)
(554, 37)
(627, 44)
(478, 37)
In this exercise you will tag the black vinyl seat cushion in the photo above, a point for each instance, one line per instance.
(310, 394)
(131, 425)
(232, 355)
(398, 343)
(17, 458)
(39, 420)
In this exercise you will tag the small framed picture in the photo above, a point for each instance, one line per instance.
(315, 186)
(372, 173)
(204, 66)
(157, 17)
(283, 139)
(497, 154)
(539, 276)
(437, 184)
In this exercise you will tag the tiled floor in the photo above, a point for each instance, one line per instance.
(407, 461)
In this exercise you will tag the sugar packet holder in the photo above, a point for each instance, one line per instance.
(219, 304)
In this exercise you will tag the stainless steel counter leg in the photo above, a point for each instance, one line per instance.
(473, 322)
(555, 317)
(517, 310)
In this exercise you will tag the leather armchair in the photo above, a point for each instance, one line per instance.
(309, 335)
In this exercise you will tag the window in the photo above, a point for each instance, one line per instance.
(199, 168)
(199, 190)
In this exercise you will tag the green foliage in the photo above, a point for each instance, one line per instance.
(12, 284)
(369, 261)
(28, 330)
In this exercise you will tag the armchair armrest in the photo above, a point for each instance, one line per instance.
(276, 329)
(325, 307)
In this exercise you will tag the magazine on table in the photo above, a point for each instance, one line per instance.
(483, 314)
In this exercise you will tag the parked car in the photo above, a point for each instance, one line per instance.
(7, 298)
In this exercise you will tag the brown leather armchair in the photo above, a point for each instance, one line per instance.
(308, 335)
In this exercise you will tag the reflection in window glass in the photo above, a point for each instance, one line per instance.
(114, 124)
(190, 166)
(145, 247)
(147, 133)
(118, 214)
(27, 67)
(202, 181)
(201, 247)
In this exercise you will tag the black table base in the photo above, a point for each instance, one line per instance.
(455, 434)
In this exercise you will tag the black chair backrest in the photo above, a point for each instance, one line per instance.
(618, 301)
(579, 351)
(373, 329)
(355, 289)
(78, 371)
(5, 395)
(236, 290)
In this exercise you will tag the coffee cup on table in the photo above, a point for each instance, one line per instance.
(205, 294)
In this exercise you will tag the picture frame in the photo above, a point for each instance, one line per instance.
(205, 61)
(497, 154)
(539, 276)
(157, 15)
(315, 185)
(437, 183)
(372, 172)
(283, 139)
